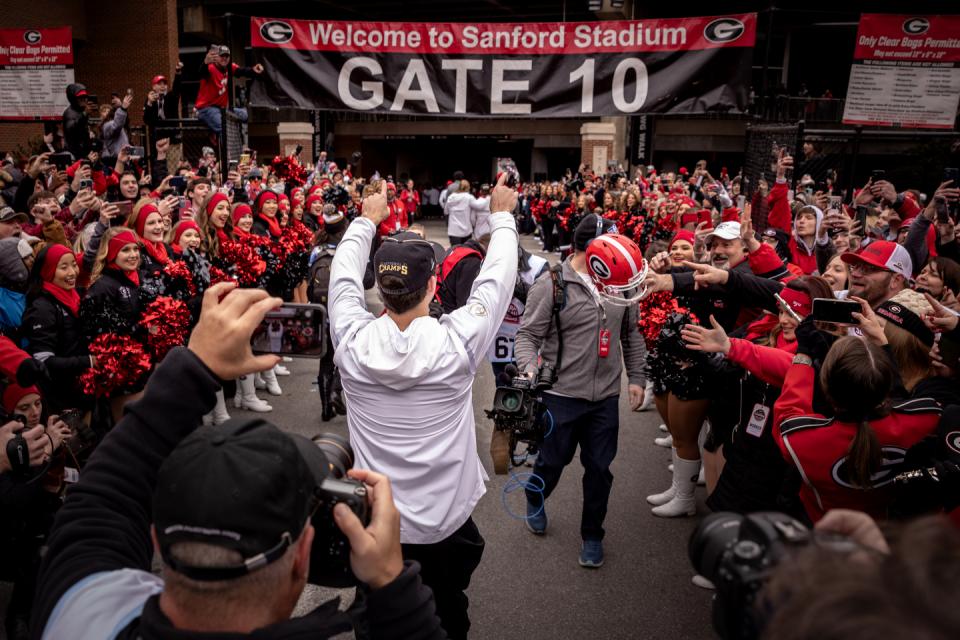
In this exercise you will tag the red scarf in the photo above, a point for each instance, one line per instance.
(272, 224)
(157, 251)
(67, 297)
(222, 235)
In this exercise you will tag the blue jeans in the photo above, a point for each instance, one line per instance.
(213, 118)
(594, 425)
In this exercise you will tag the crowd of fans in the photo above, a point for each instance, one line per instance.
(104, 264)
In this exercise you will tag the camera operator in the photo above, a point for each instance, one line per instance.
(584, 401)
(232, 515)
(408, 379)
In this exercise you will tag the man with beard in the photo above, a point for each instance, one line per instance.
(878, 271)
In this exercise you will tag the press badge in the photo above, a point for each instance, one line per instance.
(71, 475)
(604, 347)
(758, 420)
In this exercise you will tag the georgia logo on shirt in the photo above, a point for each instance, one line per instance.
(891, 459)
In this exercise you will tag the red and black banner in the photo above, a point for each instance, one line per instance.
(569, 69)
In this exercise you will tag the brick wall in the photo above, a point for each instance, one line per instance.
(117, 45)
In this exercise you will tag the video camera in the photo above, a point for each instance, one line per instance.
(330, 554)
(739, 554)
(518, 411)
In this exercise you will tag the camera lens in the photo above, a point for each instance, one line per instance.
(709, 541)
(338, 451)
(511, 401)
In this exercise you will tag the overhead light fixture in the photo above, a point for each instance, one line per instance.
(617, 4)
(595, 5)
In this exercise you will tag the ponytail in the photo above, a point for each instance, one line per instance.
(864, 456)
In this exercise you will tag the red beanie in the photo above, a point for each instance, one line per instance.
(683, 234)
(311, 200)
(141, 220)
(14, 393)
(241, 210)
(214, 200)
(52, 259)
(183, 226)
(118, 242)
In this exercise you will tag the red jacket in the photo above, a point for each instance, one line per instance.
(781, 217)
(818, 446)
(396, 221)
(769, 364)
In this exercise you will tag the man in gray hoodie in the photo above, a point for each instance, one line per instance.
(584, 402)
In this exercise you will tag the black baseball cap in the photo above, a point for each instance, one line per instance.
(592, 226)
(413, 261)
(244, 486)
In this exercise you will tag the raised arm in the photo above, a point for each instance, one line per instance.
(477, 322)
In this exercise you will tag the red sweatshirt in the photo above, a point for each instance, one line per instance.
(818, 446)
(396, 221)
(769, 364)
(781, 217)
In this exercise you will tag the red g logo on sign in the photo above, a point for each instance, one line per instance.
(916, 26)
(723, 30)
(276, 32)
(32, 36)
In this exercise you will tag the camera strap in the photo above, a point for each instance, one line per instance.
(559, 302)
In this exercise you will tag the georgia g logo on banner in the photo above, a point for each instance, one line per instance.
(723, 30)
(276, 31)
(32, 36)
(916, 26)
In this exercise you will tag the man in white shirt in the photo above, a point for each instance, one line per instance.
(408, 379)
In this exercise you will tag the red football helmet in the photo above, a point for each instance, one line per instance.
(617, 266)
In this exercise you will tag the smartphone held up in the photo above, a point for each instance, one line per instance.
(295, 330)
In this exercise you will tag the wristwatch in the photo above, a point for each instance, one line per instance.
(802, 359)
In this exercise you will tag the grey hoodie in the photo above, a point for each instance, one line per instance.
(583, 373)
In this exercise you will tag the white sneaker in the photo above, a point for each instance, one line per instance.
(281, 370)
(666, 441)
(699, 581)
(663, 428)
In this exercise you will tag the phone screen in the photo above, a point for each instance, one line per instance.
(293, 330)
(125, 207)
(179, 183)
(835, 311)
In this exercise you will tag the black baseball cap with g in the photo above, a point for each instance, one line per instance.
(245, 486)
(412, 261)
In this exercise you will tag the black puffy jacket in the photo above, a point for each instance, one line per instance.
(76, 125)
(54, 336)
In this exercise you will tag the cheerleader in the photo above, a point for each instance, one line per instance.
(186, 235)
(680, 395)
(147, 221)
(112, 302)
(51, 326)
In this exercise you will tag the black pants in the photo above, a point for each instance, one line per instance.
(547, 226)
(595, 427)
(446, 567)
(455, 240)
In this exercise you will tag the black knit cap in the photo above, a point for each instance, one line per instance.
(244, 486)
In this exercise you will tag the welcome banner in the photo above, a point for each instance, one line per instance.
(568, 69)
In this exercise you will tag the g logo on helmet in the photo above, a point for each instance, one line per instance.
(916, 26)
(276, 32)
(723, 30)
(32, 36)
(599, 267)
(953, 441)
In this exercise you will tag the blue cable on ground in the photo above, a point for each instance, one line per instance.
(528, 481)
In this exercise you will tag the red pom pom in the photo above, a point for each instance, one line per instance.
(120, 362)
(178, 273)
(167, 325)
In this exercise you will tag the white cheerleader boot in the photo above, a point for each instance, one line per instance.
(270, 378)
(220, 414)
(647, 397)
(658, 499)
(683, 503)
(249, 399)
(666, 441)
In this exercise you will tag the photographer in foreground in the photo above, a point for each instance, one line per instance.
(408, 379)
(235, 543)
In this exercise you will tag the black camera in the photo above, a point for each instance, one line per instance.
(518, 411)
(330, 554)
(336, 195)
(739, 553)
